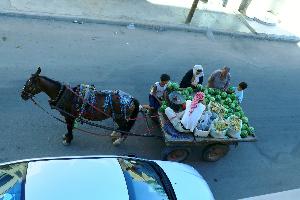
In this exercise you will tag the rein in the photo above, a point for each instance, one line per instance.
(89, 123)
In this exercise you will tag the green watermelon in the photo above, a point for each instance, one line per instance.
(242, 112)
(199, 87)
(164, 102)
(245, 119)
(244, 133)
(231, 89)
(233, 97)
(245, 126)
(251, 129)
(237, 114)
(218, 92)
(185, 92)
(228, 101)
(189, 89)
(163, 108)
(224, 95)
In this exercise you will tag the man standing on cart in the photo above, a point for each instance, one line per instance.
(220, 79)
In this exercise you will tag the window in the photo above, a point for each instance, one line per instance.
(4, 178)
(142, 181)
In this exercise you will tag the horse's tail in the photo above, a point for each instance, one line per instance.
(133, 115)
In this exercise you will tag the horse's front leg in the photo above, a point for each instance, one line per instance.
(119, 138)
(69, 136)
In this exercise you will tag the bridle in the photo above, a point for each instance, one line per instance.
(34, 89)
(30, 90)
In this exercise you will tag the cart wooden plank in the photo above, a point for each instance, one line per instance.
(229, 140)
(190, 139)
(184, 138)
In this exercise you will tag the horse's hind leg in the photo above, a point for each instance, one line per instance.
(69, 136)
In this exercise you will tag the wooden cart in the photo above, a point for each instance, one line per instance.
(178, 147)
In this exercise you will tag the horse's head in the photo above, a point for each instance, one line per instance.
(31, 87)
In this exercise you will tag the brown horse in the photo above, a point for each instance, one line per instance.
(106, 104)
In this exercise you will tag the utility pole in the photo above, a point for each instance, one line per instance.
(192, 11)
(244, 5)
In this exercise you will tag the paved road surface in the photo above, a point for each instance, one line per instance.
(117, 58)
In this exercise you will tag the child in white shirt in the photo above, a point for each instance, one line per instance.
(157, 92)
(239, 91)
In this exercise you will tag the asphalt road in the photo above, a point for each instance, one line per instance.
(113, 57)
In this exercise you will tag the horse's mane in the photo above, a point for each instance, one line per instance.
(57, 83)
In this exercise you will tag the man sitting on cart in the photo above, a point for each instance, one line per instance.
(187, 120)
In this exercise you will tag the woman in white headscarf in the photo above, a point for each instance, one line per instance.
(193, 77)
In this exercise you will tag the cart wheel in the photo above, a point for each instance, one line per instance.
(214, 152)
(175, 154)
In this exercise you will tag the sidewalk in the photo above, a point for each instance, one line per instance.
(166, 14)
(289, 194)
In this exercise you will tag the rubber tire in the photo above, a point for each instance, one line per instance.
(214, 152)
(171, 154)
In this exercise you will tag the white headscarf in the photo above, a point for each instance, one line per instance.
(197, 76)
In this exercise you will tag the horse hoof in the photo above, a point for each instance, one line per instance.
(65, 143)
(118, 141)
(114, 136)
(113, 139)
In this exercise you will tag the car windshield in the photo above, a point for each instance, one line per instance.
(143, 182)
(12, 178)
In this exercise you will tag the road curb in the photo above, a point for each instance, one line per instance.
(154, 26)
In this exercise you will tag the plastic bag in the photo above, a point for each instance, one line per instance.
(215, 131)
(234, 129)
(203, 125)
(200, 133)
(216, 109)
(205, 121)
(175, 120)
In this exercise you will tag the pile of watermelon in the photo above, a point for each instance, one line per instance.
(227, 99)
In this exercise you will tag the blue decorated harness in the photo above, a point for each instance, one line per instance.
(87, 96)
